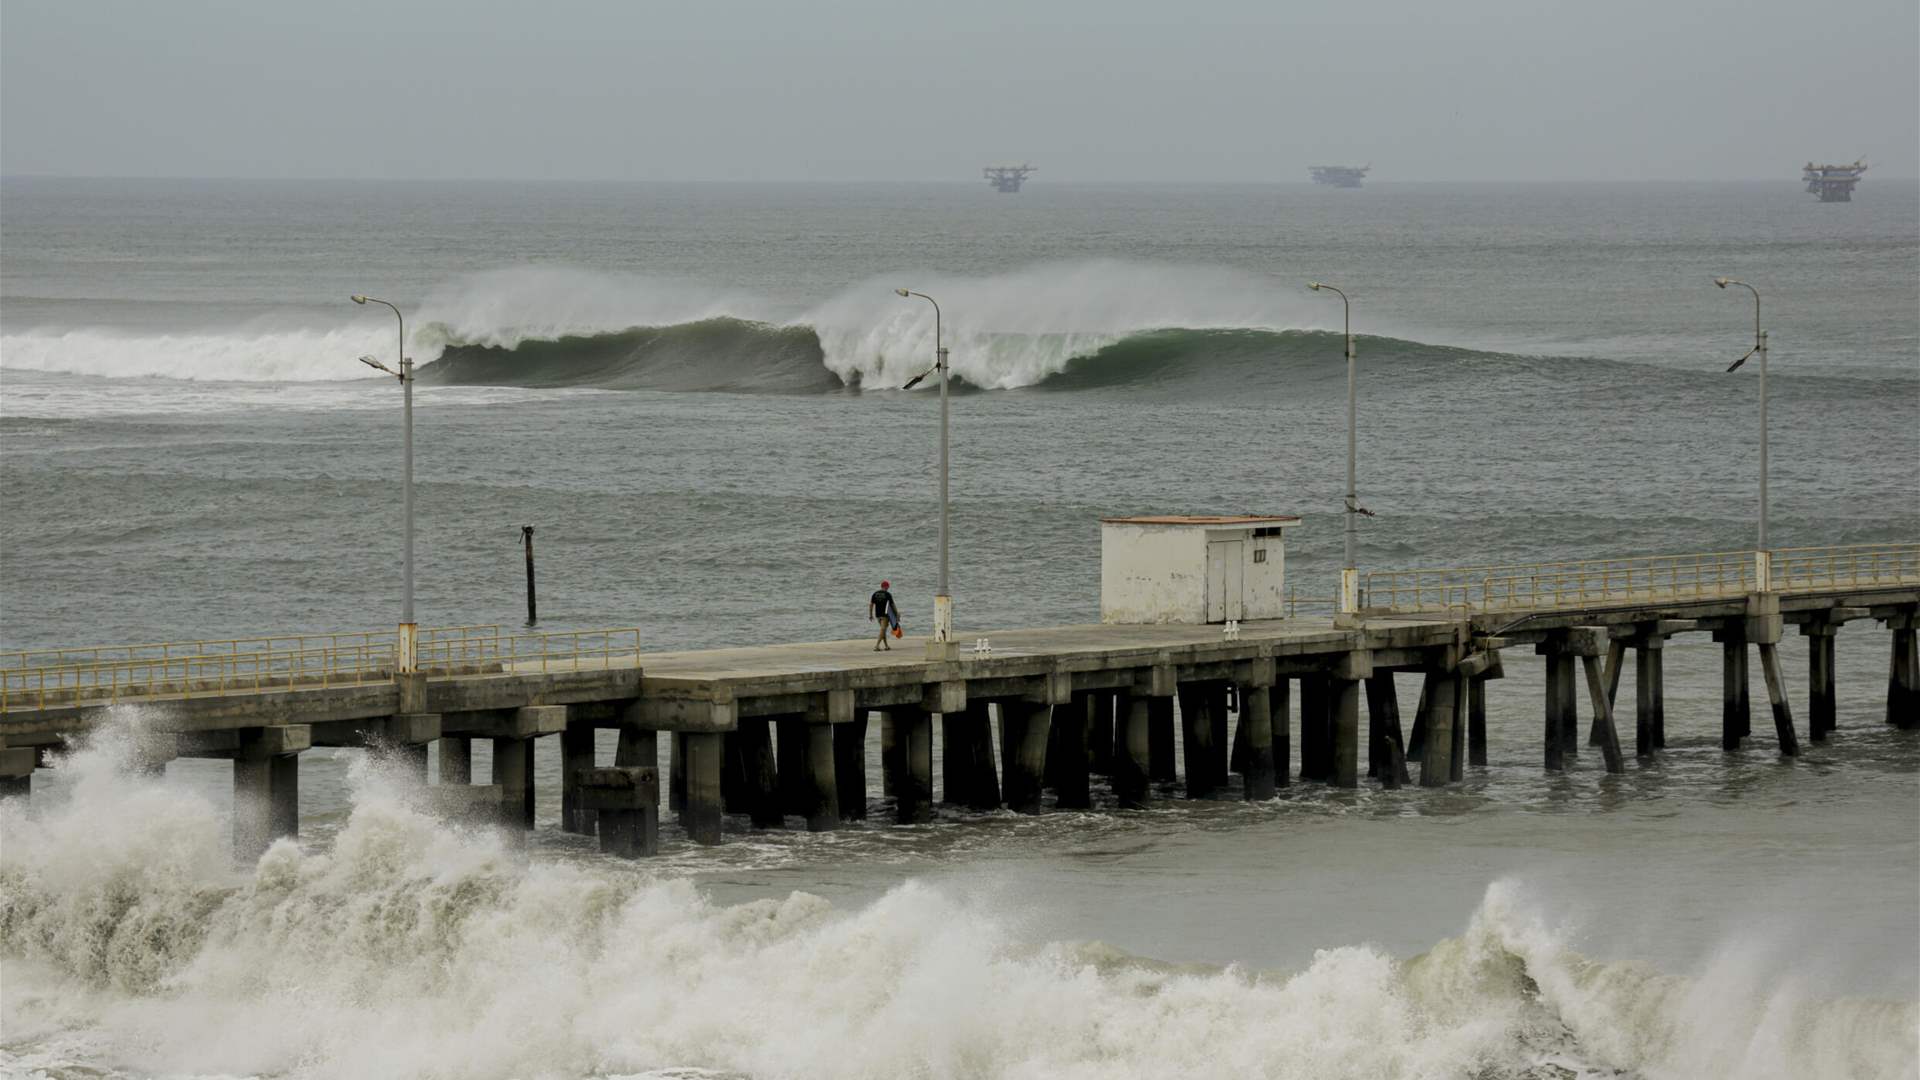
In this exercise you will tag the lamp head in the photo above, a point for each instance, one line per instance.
(375, 364)
(1314, 285)
(903, 292)
(1722, 281)
(358, 299)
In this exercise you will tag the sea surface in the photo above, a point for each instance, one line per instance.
(691, 391)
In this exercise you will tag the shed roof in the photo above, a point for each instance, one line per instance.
(1228, 520)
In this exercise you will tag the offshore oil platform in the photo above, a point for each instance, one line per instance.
(1344, 176)
(1006, 179)
(1833, 183)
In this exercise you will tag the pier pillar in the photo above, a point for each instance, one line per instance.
(1610, 680)
(891, 762)
(1023, 752)
(913, 740)
(513, 772)
(1130, 756)
(625, 806)
(1417, 738)
(638, 745)
(1256, 719)
(1100, 731)
(1457, 741)
(1736, 719)
(1649, 694)
(823, 794)
(1777, 698)
(1822, 705)
(760, 772)
(701, 755)
(1477, 721)
(1215, 698)
(1602, 712)
(266, 787)
(983, 779)
(1436, 761)
(1562, 730)
(1197, 730)
(1161, 767)
(16, 771)
(955, 755)
(1280, 707)
(1316, 735)
(1903, 673)
(456, 759)
(790, 737)
(1383, 711)
(1346, 733)
(1068, 758)
(576, 756)
(850, 766)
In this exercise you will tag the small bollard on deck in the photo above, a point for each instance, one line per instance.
(626, 803)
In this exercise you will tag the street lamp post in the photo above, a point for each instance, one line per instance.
(406, 651)
(1349, 574)
(940, 646)
(1762, 555)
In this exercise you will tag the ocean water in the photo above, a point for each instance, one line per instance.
(689, 391)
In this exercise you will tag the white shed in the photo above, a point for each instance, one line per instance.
(1179, 569)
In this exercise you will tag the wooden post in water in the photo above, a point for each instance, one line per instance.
(1559, 693)
(533, 613)
(1130, 751)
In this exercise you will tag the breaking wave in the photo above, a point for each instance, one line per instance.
(407, 948)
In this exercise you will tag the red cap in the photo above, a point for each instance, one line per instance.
(886, 584)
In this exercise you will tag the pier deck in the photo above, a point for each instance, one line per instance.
(775, 731)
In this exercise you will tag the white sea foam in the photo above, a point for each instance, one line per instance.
(1005, 330)
(411, 949)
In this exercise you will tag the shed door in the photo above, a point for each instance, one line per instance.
(1226, 585)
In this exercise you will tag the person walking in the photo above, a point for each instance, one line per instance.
(881, 609)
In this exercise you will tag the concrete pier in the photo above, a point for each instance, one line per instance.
(1197, 729)
(266, 787)
(913, 734)
(625, 806)
(456, 760)
(576, 758)
(1256, 719)
(850, 766)
(1069, 755)
(1383, 711)
(1161, 767)
(1736, 719)
(1903, 669)
(702, 754)
(1023, 752)
(1822, 705)
(513, 772)
(1316, 734)
(1436, 761)
(1130, 782)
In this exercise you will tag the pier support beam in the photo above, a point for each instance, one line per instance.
(913, 738)
(1822, 705)
(638, 746)
(1383, 712)
(701, 756)
(16, 771)
(1736, 719)
(1603, 727)
(266, 787)
(1279, 697)
(822, 791)
(1198, 732)
(1256, 719)
(790, 739)
(1903, 671)
(1130, 757)
(625, 806)
(1436, 761)
(1562, 729)
(1100, 727)
(576, 757)
(1343, 721)
(513, 773)
(892, 756)
(1777, 698)
(1069, 759)
(1649, 694)
(1161, 767)
(760, 772)
(1023, 752)
(456, 760)
(1316, 735)
(850, 766)
(981, 778)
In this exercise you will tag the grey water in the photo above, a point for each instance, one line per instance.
(690, 391)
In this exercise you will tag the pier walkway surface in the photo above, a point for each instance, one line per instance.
(776, 731)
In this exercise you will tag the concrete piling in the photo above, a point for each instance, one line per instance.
(576, 756)
(701, 757)
(638, 746)
(1100, 731)
(790, 737)
(892, 763)
(625, 806)
(1316, 736)
(513, 772)
(1610, 681)
(456, 760)
(1023, 752)
(1345, 733)
(1417, 738)
(1822, 705)
(1903, 672)
(1256, 720)
(16, 771)
(1603, 714)
(983, 779)
(1161, 767)
(1562, 730)
(1736, 719)
(823, 792)
(1649, 694)
(760, 772)
(955, 759)
(266, 787)
(1130, 759)
(1281, 709)
(1215, 699)
(1436, 761)
(1383, 710)
(1457, 742)
(1197, 732)
(1069, 759)
(1777, 698)
(1477, 721)
(913, 737)
(850, 766)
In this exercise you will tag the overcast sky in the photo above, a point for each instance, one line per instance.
(1088, 89)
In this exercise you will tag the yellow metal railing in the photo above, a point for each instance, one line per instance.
(215, 647)
(147, 672)
(1602, 583)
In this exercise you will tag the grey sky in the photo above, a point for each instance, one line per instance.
(1088, 89)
